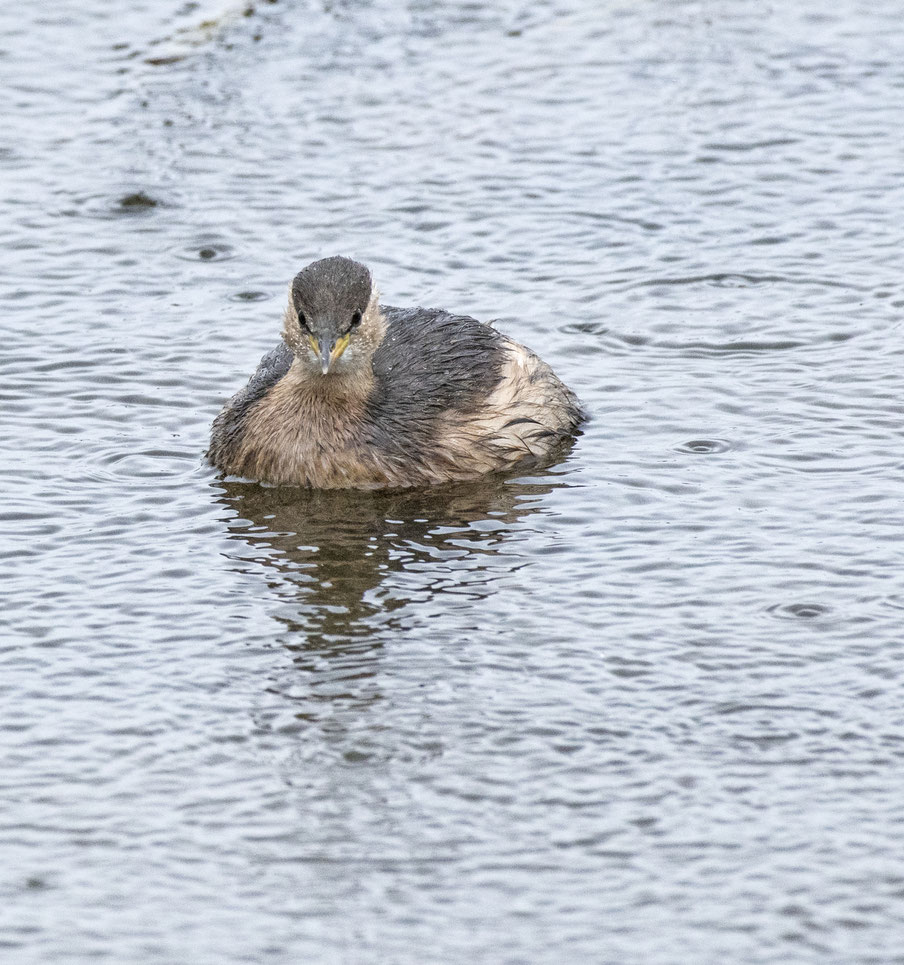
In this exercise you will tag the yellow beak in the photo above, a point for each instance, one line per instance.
(328, 355)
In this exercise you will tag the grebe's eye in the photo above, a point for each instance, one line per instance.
(356, 320)
(303, 322)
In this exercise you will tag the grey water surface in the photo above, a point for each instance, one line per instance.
(644, 707)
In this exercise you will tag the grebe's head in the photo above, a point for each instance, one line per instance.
(333, 321)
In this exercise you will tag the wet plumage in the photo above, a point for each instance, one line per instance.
(369, 396)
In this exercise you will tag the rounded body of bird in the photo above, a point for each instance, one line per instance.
(370, 397)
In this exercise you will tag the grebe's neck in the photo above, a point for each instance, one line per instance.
(345, 387)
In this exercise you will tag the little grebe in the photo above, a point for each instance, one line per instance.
(365, 396)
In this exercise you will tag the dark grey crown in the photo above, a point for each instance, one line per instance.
(330, 291)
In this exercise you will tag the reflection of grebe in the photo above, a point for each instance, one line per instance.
(369, 397)
(331, 555)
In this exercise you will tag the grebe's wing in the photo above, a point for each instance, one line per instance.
(435, 360)
(229, 425)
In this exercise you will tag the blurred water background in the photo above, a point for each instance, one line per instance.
(645, 707)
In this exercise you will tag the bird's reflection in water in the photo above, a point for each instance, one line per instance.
(333, 551)
(348, 565)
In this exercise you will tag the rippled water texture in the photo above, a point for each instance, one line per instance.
(642, 708)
